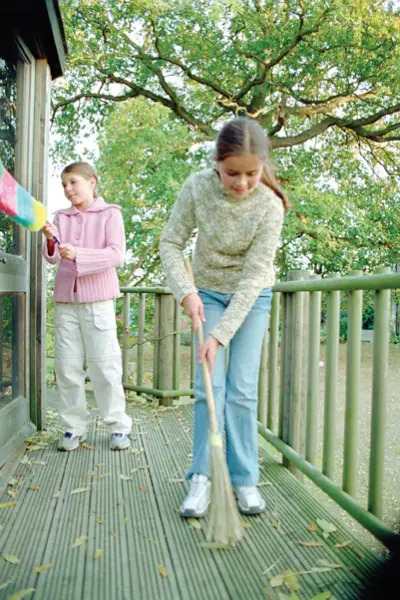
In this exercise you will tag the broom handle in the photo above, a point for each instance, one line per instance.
(206, 373)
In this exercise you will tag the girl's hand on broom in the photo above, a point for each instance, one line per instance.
(208, 351)
(193, 307)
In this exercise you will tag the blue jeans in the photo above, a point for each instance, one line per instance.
(235, 388)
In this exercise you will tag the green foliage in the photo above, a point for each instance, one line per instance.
(145, 155)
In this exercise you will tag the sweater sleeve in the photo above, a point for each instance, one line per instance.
(259, 261)
(173, 240)
(94, 260)
(55, 257)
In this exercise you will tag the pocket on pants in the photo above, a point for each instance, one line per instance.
(104, 315)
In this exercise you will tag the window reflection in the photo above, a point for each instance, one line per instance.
(8, 92)
(10, 331)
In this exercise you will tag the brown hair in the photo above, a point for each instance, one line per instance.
(246, 136)
(83, 169)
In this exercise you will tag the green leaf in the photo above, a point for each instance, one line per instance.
(14, 560)
(195, 523)
(21, 594)
(322, 596)
(79, 541)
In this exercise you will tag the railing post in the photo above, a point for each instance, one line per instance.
(291, 366)
(296, 336)
(351, 435)
(313, 385)
(332, 358)
(140, 341)
(262, 382)
(177, 346)
(156, 337)
(125, 338)
(379, 386)
(273, 364)
(166, 346)
(304, 368)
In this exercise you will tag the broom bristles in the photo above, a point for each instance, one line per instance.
(224, 522)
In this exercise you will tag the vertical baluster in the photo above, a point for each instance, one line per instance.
(140, 344)
(273, 364)
(313, 385)
(332, 358)
(354, 322)
(379, 397)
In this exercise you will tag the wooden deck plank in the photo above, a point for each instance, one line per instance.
(148, 550)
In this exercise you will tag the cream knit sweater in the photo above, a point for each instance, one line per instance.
(235, 247)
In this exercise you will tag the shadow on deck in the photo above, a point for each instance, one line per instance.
(96, 524)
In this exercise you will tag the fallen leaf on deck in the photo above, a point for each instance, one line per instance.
(290, 580)
(102, 476)
(142, 488)
(42, 568)
(276, 525)
(195, 523)
(12, 493)
(99, 552)
(14, 560)
(276, 581)
(264, 483)
(162, 570)
(99, 520)
(39, 462)
(270, 567)
(311, 543)
(325, 563)
(245, 524)
(33, 488)
(125, 477)
(21, 594)
(143, 467)
(79, 490)
(87, 446)
(343, 544)
(4, 585)
(322, 596)
(176, 480)
(80, 540)
(7, 504)
(326, 527)
(312, 527)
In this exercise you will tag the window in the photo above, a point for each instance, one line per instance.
(8, 92)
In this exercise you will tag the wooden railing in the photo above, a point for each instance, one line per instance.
(289, 382)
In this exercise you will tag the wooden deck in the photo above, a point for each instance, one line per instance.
(96, 524)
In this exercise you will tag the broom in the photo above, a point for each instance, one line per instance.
(224, 526)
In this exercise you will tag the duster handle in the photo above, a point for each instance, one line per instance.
(206, 372)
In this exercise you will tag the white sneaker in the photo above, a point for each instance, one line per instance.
(249, 500)
(198, 498)
(70, 441)
(120, 441)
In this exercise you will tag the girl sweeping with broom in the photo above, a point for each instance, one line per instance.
(238, 208)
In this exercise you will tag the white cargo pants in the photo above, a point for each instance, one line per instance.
(88, 330)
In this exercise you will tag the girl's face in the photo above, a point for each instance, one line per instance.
(78, 189)
(240, 173)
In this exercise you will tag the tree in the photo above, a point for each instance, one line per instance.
(321, 77)
(300, 68)
(145, 155)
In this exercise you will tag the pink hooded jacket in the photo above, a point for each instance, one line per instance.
(99, 238)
